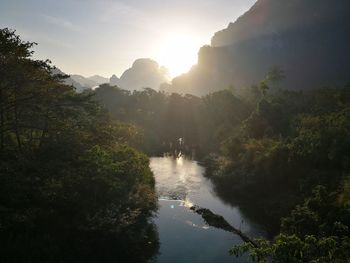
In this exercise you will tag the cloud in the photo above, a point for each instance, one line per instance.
(126, 15)
(56, 42)
(61, 22)
(43, 38)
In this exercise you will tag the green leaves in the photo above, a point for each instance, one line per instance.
(290, 248)
(316, 231)
(71, 188)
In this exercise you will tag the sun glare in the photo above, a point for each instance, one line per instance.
(178, 53)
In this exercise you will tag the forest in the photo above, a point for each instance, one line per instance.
(71, 186)
(75, 180)
(282, 154)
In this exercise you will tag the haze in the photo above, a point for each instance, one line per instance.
(181, 135)
(105, 37)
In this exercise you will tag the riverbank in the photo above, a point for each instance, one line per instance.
(183, 235)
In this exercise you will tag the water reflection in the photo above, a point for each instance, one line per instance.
(184, 236)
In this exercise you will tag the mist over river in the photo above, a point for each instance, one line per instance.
(184, 236)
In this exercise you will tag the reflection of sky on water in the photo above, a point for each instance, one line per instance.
(184, 236)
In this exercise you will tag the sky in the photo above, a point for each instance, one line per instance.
(105, 37)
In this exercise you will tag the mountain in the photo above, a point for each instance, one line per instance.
(69, 81)
(308, 40)
(99, 79)
(85, 82)
(144, 73)
(114, 81)
(90, 82)
(81, 83)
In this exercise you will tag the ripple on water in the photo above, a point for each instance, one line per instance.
(184, 236)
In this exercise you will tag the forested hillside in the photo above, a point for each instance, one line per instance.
(259, 131)
(282, 156)
(71, 187)
(306, 39)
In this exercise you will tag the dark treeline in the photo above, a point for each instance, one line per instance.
(171, 123)
(71, 189)
(283, 156)
(291, 158)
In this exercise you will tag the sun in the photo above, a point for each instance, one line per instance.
(178, 53)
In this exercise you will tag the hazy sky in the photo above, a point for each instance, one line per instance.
(105, 36)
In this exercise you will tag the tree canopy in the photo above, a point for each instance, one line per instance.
(71, 187)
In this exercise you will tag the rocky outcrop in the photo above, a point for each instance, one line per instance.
(144, 73)
(308, 40)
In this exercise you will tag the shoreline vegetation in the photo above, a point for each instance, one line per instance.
(71, 187)
(272, 152)
(76, 187)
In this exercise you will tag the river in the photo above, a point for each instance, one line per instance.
(184, 236)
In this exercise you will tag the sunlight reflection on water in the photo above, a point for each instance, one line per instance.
(184, 236)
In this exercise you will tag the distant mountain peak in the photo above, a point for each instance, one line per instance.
(144, 73)
(308, 39)
(275, 16)
(114, 81)
(99, 79)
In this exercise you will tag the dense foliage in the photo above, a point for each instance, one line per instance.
(71, 189)
(316, 231)
(293, 146)
(201, 123)
(265, 149)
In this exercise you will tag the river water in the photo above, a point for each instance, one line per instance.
(184, 236)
